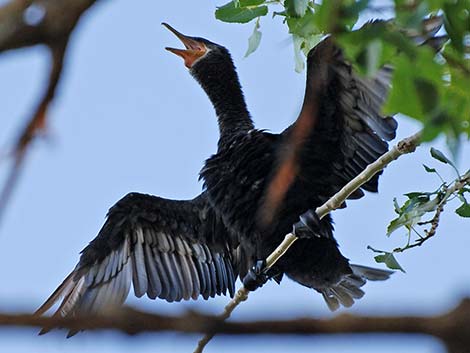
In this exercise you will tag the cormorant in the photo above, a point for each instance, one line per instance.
(178, 250)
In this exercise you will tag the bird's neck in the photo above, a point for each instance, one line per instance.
(221, 84)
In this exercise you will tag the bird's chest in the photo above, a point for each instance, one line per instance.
(235, 179)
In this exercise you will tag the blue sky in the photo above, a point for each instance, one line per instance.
(128, 117)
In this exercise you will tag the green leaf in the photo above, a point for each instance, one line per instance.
(412, 210)
(309, 42)
(389, 260)
(463, 210)
(394, 225)
(430, 131)
(427, 94)
(429, 170)
(410, 14)
(241, 11)
(351, 11)
(435, 153)
(403, 97)
(413, 195)
(457, 22)
(396, 206)
(254, 40)
(296, 8)
(303, 26)
(299, 60)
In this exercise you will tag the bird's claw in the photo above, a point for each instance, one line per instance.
(256, 277)
(308, 225)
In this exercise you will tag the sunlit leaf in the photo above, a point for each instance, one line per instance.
(241, 11)
(303, 26)
(296, 8)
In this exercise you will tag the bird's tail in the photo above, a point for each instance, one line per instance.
(349, 288)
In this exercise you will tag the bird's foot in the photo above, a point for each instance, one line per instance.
(259, 275)
(256, 276)
(308, 225)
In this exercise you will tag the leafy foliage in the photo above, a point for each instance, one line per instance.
(241, 11)
(431, 79)
(419, 204)
(387, 258)
(429, 87)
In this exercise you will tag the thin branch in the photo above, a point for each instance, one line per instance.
(405, 146)
(449, 193)
(453, 328)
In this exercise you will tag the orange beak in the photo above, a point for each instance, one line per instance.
(194, 49)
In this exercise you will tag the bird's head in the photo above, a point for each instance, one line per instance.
(197, 49)
(212, 66)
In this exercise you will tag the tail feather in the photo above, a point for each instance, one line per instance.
(349, 287)
(330, 299)
(370, 273)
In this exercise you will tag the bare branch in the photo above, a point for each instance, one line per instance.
(54, 21)
(453, 328)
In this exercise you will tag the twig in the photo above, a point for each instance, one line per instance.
(459, 184)
(453, 328)
(240, 296)
(405, 146)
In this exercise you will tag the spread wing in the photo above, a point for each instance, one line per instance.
(168, 249)
(349, 130)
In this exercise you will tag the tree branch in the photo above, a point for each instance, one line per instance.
(453, 328)
(448, 193)
(53, 25)
(405, 146)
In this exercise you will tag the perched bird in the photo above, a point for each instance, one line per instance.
(178, 250)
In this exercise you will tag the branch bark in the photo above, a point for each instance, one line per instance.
(453, 328)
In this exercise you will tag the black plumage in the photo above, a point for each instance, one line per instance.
(178, 250)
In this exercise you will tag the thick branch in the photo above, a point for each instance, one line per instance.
(453, 328)
(54, 21)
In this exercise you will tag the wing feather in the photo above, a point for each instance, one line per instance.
(350, 131)
(164, 248)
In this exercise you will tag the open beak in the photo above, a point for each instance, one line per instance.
(194, 49)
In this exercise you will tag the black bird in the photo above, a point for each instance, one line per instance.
(178, 250)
